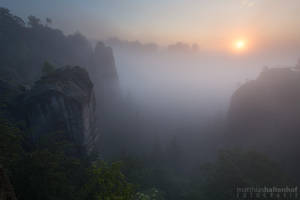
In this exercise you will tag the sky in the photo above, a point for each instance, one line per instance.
(214, 24)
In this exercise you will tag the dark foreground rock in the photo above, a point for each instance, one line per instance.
(63, 101)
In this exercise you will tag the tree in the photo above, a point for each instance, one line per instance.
(150, 194)
(10, 146)
(11, 30)
(235, 168)
(6, 18)
(40, 174)
(107, 182)
(47, 69)
(34, 21)
(48, 21)
(47, 175)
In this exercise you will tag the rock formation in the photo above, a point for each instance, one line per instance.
(270, 103)
(104, 75)
(63, 100)
(264, 114)
(104, 63)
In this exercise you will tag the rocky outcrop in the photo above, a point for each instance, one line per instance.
(270, 103)
(105, 77)
(63, 101)
(103, 63)
(264, 114)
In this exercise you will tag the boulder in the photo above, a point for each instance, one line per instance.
(63, 100)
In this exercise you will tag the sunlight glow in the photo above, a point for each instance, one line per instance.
(240, 45)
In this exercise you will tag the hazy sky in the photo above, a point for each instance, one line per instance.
(210, 23)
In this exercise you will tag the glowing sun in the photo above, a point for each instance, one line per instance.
(240, 45)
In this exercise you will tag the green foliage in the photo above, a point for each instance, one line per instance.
(52, 169)
(146, 174)
(41, 173)
(23, 48)
(106, 182)
(150, 194)
(10, 145)
(235, 168)
(45, 175)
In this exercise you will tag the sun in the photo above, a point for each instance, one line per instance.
(240, 44)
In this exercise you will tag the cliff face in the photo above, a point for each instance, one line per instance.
(268, 103)
(63, 101)
(104, 63)
(105, 77)
(264, 114)
(23, 51)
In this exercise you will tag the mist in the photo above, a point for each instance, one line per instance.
(149, 101)
(185, 84)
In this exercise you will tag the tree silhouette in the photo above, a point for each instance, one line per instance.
(34, 21)
(48, 21)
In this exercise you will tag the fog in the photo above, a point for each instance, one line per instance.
(102, 114)
(181, 84)
(183, 92)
